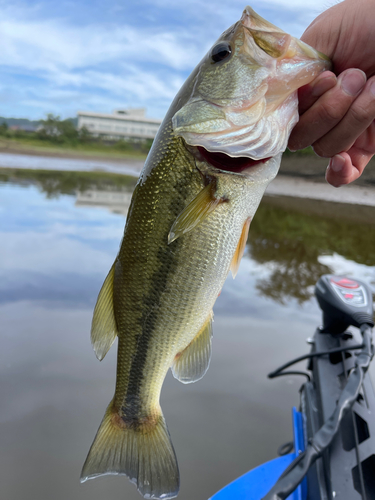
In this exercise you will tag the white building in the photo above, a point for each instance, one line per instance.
(122, 124)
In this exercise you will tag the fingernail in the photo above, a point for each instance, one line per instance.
(337, 163)
(323, 85)
(353, 82)
(372, 88)
(331, 181)
(318, 153)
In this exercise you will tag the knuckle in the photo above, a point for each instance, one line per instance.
(360, 113)
(332, 112)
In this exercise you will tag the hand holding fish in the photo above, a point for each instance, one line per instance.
(337, 114)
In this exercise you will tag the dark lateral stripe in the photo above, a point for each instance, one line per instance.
(168, 264)
(168, 259)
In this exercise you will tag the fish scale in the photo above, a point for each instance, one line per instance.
(187, 226)
(148, 261)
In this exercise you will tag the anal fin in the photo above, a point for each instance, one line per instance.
(192, 363)
(103, 326)
(238, 254)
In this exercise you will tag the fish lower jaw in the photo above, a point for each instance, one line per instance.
(222, 161)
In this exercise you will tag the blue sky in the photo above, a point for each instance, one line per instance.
(65, 56)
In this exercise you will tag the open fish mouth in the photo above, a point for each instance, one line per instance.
(222, 161)
(243, 101)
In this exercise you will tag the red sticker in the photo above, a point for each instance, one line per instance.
(345, 282)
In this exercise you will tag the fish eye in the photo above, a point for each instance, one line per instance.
(220, 52)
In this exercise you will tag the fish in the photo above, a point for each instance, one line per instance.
(217, 149)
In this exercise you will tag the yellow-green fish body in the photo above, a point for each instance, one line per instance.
(187, 226)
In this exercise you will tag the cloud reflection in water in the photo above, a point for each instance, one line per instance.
(54, 256)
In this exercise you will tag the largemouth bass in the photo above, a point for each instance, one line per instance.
(215, 152)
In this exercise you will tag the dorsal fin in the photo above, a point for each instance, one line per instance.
(195, 213)
(103, 326)
(192, 363)
(240, 248)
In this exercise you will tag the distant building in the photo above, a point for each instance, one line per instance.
(122, 124)
(25, 128)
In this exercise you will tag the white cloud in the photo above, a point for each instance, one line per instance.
(128, 64)
(316, 5)
(51, 44)
(52, 64)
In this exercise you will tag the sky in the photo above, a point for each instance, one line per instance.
(90, 55)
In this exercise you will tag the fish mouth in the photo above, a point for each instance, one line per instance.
(228, 163)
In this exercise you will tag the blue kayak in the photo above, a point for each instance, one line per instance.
(255, 484)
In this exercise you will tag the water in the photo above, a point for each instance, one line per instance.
(56, 248)
(68, 164)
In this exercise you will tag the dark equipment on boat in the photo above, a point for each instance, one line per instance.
(336, 459)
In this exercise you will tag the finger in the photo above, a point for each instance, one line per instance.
(309, 94)
(328, 110)
(347, 167)
(358, 118)
(341, 171)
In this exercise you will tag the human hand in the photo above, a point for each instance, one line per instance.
(336, 114)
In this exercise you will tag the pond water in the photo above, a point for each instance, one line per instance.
(37, 162)
(59, 234)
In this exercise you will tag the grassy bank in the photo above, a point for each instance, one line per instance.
(95, 148)
(37, 146)
(60, 137)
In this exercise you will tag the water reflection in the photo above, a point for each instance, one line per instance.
(56, 183)
(295, 243)
(50, 250)
(114, 201)
(55, 252)
(296, 247)
(52, 163)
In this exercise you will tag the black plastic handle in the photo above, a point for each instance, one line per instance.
(344, 302)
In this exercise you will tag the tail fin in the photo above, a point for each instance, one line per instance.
(146, 456)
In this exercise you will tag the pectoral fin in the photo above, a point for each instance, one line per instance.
(103, 326)
(192, 363)
(195, 213)
(240, 248)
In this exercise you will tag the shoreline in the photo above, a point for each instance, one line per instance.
(69, 154)
(300, 188)
(300, 177)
